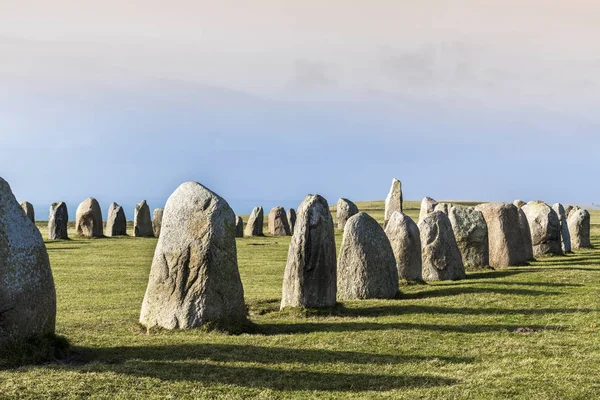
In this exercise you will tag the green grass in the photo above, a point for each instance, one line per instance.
(526, 332)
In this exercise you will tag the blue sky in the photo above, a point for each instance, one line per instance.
(268, 103)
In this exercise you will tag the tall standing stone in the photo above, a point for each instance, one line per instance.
(366, 266)
(405, 239)
(545, 228)
(310, 279)
(278, 222)
(505, 236)
(142, 222)
(345, 209)
(565, 236)
(194, 280)
(471, 233)
(427, 207)
(239, 227)
(157, 217)
(393, 201)
(526, 235)
(441, 258)
(256, 220)
(58, 220)
(116, 223)
(291, 214)
(579, 227)
(27, 294)
(29, 211)
(88, 219)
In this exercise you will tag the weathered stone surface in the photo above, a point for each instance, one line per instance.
(88, 219)
(441, 257)
(278, 222)
(345, 209)
(568, 210)
(291, 214)
(405, 239)
(239, 227)
(579, 228)
(545, 228)
(519, 203)
(29, 211)
(27, 294)
(157, 217)
(505, 236)
(254, 226)
(471, 233)
(310, 273)
(565, 236)
(194, 280)
(116, 223)
(427, 207)
(526, 235)
(142, 221)
(366, 266)
(443, 207)
(393, 201)
(58, 220)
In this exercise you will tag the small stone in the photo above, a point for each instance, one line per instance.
(345, 209)
(427, 207)
(291, 214)
(29, 211)
(239, 227)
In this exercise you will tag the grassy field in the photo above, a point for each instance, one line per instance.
(526, 332)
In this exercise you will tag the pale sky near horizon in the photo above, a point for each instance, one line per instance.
(266, 101)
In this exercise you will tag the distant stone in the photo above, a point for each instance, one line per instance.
(471, 233)
(194, 280)
(27, 294)
(278, 222)
(239, 227)
(116, 223)
(157, 217)
(545, 228)
(568, 210)
(405, 239)
(310, 273)
(58, 221)
(443, 207)
(427, 207)
(505, 235)
(29, 211)
(565, 236)
(441, 258)
(254, 226)
(526, 235)
(579, 227)
(519, 203)
(88, 219)
(142, 222)
(345, 210)
(291, 214)
(393, 201)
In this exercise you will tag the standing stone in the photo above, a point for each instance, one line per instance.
(194, 280)
(443, 207)
(310, 274)
(568, 210)
(157, 217)
(142, 222)
(88, 219)
(519, 203)
(545, 228)
(471, 233)
(427, 207)
(526, 235)
(579, 227)
(441, 258)
(405, 239)
(239, 227)
(254, 226)
(565, 236)
(278, 222)
(345, 210)
(58, 221)
(505, 236)
(29, 211)
(393, 201)
(366, 266)
(291, 214)
(116, 224)
(27, 294)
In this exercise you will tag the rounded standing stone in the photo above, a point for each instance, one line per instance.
(29, 211)
(579, 227)
(194, 280)
(157, 217)
(471, 233)
(278, 223)
(256, 220)
(88, 219)
(310, 278)
(545, 228)
(519, 203)
(565, 236)
(58, 220)
(239, 227)
(142, 222)
(27, 293)
(345, 209)
(427, 207)
(116, 223)
(405, 239)
(393, 201)
(291, 214)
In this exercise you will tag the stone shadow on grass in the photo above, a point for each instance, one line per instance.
(447, 290)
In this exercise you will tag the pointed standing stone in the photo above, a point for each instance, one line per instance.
(345, 209)
(278, 222)
(291, 214)
(256, 220)
(116, 223)
(405, 239)
(310, 273)
(393, 201)
(239, 227)
(58, 221)
(157, 217)
(29, 211)
(88, 219)
(565, 236)
(142, 222)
